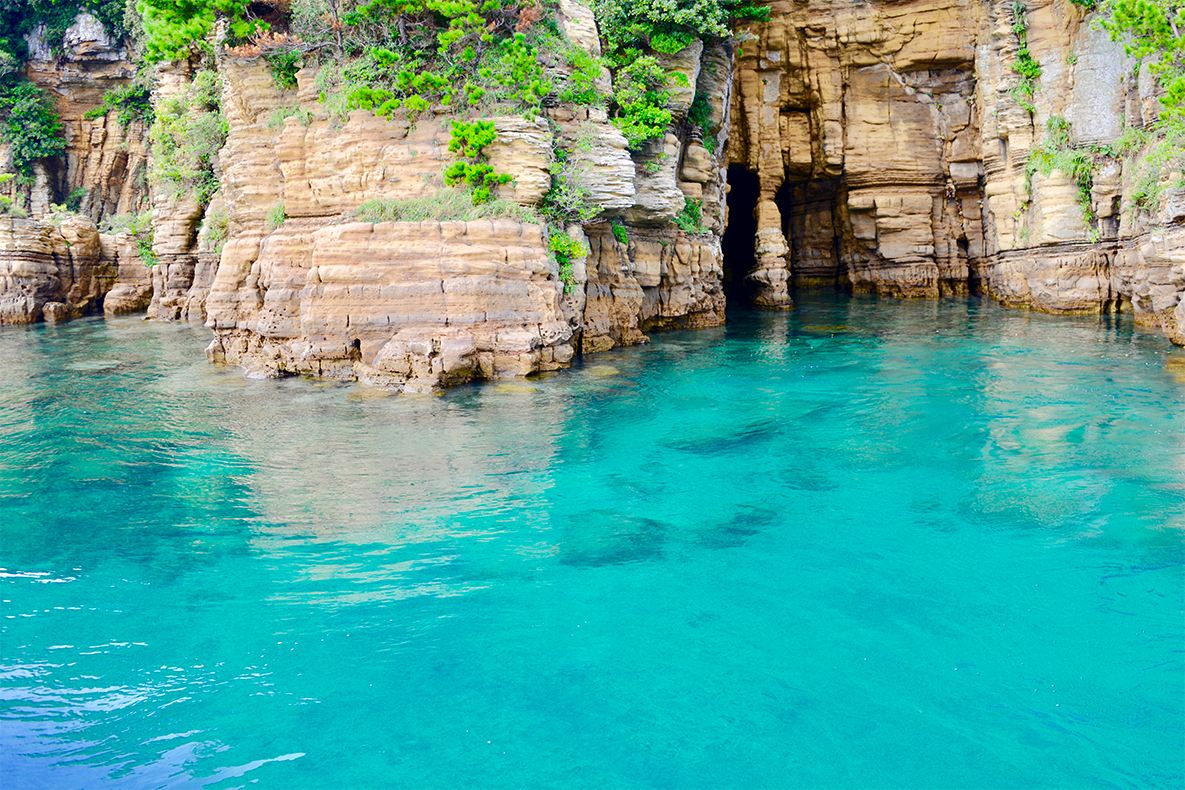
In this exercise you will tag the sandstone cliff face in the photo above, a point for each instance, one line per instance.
(890, 151)
(860, 121)
(50, 272)
(887, 143)
(104, 159)
(417, 305)
(54, 268)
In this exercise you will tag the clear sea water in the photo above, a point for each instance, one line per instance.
(863, 544)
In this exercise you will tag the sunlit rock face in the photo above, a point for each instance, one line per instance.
(51, 272)
(418, 305)
(105, 161)
(889, 141)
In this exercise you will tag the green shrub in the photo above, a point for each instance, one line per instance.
(632, 22)
(18, 18)
(564, 249)
(8, 205)
(469, 139)
(175, 29)
(691, 218)
(186, 136)
(699, 114)
(569, 198)
(140, 226)
(29, 124)
(276, 216)
(130, 102)
(1058, 151)
(580, 86)
(620, 233)
(281, 114)
(216, 228)
(1028, 68)
(448, 205)
(1149, 30)
(640, 93)
(73, 201)
(284, 65)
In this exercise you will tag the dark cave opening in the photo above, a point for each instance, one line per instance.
(739, 244)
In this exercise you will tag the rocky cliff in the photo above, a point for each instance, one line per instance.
(884, 146)
(895, 148)
(414, 305)
(55, 264)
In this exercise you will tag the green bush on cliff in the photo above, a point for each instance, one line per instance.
(411, 55)
(473, 169)
(620, 233)
(1025, 65)
(174, 29)
(9, 205)
(215, 229)
(1154, 32)
(129, 102)
(28, 123)
(276, 216)
(664, 24)
(447, 205)
(569, 198)
(188, 132)
(565, 249)
(641, 96)
(140, 226)
(691, 218)
(1058, 151)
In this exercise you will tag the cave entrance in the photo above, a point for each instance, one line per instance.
(808, 220)
(739, 244)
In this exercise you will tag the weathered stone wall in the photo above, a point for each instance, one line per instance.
(413, 305)
(50, 272)
(103, 158)
(891, 149)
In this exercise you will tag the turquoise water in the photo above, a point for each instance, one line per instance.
(865, 544)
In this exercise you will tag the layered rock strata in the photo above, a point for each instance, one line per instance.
(417, 305)
(888, 146)
(51, 272)
(105, 163)
(890, 142)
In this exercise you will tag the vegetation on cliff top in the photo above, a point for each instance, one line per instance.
(1153, 31)
(412, 55)
(186, 136)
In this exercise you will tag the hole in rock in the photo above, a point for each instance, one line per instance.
(808, 220)
(739, 244)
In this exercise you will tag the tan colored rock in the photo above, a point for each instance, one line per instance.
(415, 306)
(393, 298)
(522, 149)
(657, 197)
(683, 69)
(601, 153)
(55, 268)
(662, 278)
(132, 291)
(105, 160)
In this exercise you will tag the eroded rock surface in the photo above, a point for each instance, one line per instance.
(891, 141)
(50, 272)
(417, 305)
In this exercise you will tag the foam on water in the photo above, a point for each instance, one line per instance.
(864, 544)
